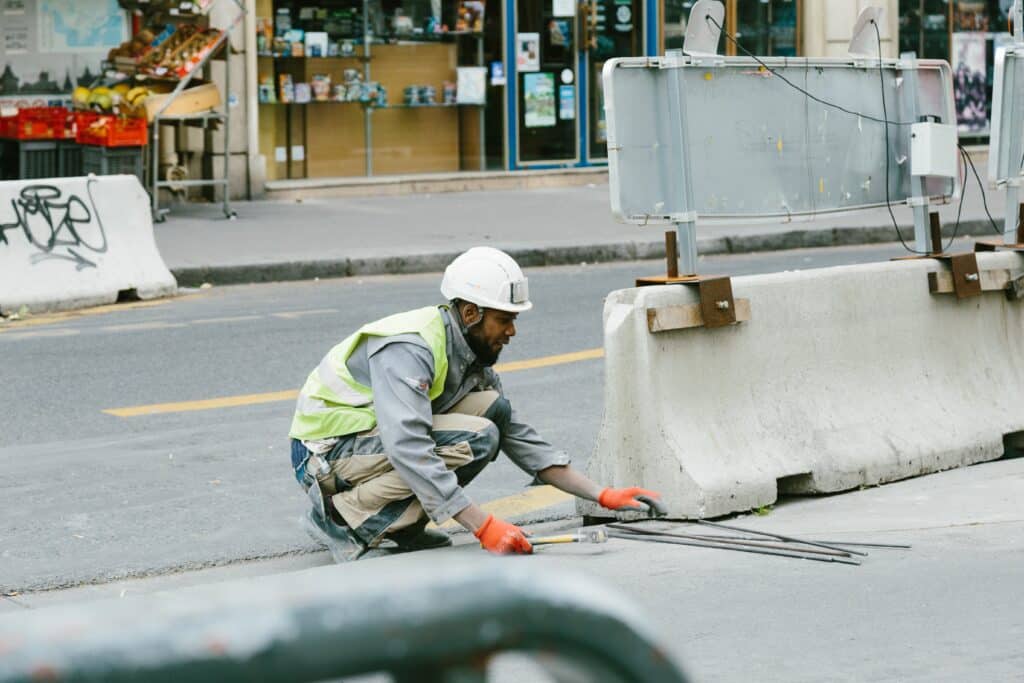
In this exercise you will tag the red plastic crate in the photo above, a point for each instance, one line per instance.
(37, 123)
(108, 130)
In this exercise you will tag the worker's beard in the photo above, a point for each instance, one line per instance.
(485, 355)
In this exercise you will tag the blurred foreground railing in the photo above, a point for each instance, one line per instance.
(430, 622)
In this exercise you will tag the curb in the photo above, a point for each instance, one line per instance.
(609, 252)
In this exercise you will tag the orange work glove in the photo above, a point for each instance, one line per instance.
(498, 536)
(633, 498)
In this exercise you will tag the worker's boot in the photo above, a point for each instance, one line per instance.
(340, 540)
(419, 537)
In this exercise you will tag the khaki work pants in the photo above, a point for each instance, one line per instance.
(371, 496)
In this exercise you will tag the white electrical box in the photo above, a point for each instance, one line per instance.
(933, 150)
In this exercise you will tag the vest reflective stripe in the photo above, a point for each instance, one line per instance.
(343, 392)
(333, 403)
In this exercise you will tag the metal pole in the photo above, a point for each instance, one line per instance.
(154, 152)
(918, 195)
(1012, 210)
(227, 124)
(686, 228)
(368, 106)
(483, 107)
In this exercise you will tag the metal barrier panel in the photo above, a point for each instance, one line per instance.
(755, 147)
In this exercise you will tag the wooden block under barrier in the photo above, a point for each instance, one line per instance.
(991, 281)
(665, 318)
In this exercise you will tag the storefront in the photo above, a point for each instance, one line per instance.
(765, 27)
(967, 33)
(438, 85)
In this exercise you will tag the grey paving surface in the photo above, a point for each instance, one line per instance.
(948, 609)
(289, 240)
(184, 490)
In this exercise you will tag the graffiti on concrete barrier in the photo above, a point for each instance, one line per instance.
(60, 227)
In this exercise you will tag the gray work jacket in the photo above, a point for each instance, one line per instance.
(399, 370)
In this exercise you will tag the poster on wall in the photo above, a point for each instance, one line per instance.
(567, 102)
(539, 100)
(969, 72)
(528, 52)
(47, 47)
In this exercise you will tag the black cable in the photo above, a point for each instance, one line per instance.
(796, 87)
(981, 189)
(888, 150)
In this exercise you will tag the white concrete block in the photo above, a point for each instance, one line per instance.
(74, 242)
(843, 377)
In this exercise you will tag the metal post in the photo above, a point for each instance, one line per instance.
(918, 196)
(936, 228)
(483, 107)
(227, 125)
(154, 153)
(687, 242)
(1012, 210)
(367, 106)
(671, 255)
(686, 228)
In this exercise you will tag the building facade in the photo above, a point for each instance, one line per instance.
(343, 89)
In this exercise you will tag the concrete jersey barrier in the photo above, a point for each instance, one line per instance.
(843, 377)
(73, 242)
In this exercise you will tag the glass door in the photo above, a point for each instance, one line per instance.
(612, 28)
(547, 90)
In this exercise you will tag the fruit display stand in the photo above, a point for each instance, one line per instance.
(160, 116)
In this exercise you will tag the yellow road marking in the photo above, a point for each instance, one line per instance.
(291, 315)
(61, 316)
(207, 404)
(291, 395)
(544, 362)
(142, 327)
(56, 332)
(530, 500)
(229, 319)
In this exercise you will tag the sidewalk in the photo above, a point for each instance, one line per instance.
(302, 239)
(941, 610)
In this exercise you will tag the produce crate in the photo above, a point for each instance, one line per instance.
(107, 130)
(112, 160)
(28, 159)
(69, 159)
(37, 123)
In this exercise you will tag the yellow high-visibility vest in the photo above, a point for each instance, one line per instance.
(333, 403)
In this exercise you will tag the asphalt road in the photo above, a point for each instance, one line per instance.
(88, 496)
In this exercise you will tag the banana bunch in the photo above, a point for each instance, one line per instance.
(119, 99)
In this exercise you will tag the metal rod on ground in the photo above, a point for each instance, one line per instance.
(730, 541)
(778, 536)
(740, 549)
(712, 537)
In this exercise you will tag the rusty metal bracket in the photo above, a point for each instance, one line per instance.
(964, 279)
(717, 307)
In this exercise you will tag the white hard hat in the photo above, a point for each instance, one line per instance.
(489, 278)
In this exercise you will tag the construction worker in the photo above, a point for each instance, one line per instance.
(403, 413)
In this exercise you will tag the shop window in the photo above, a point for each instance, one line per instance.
(967, 33)
(765, 27)
(412, 97)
